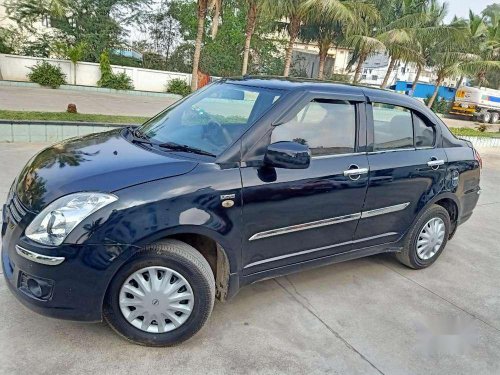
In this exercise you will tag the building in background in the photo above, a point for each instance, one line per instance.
(305, 61)
(375, 68)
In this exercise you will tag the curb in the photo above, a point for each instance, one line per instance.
(65, 123)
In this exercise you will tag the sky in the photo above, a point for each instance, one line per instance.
(461, 7)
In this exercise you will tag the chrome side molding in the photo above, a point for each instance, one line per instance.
(330, 221)
(384, 210)
(39, 258)
(317, 249)
(304, 226)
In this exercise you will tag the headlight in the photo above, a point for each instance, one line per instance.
(58, 219)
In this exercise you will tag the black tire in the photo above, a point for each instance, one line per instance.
(408, 256)
(485, 117)
(495, 116)
(185, 260)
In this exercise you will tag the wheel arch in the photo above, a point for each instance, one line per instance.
(222, 262)
(450, 203)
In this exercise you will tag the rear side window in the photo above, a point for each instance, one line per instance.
(425, 134)
(328, 127)
(393, 127)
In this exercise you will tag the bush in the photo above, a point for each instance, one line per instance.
(439, 106)
(120, 81)
(178, 86)
(47, 74)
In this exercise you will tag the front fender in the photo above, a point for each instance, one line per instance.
(190, 203)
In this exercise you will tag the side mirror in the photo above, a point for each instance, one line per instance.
(289, 155)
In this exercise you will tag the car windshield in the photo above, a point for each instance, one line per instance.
(210, 120)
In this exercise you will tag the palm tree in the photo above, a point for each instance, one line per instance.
(364, 46)
(216, 6)
(295, 12)
(331, 22)
(433, 13)
(254, 7)
(476, 31)
(76, 53)
(449, 64)
(202, 9)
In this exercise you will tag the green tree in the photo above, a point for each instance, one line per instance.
(294, 12)
(253, 11)
(97, 23)
(332, 22)
(75, 53)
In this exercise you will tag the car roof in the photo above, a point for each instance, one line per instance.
(303, 84)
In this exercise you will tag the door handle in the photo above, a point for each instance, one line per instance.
(434, 163)
(355, 173)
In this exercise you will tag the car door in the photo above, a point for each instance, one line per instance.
(407, 168)
(294, 215)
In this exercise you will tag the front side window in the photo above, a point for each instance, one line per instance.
(328, 127)
(211, 119)
(425, 134)
(393, 127)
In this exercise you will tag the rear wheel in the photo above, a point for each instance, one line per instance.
(163, 296)
(495, 116)
(427, 239)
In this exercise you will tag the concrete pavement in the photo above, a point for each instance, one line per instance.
(50, 100)
(368, 316)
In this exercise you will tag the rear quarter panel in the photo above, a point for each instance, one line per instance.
(463, 178)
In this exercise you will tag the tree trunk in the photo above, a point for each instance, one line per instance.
(436, 90)
(481, 78)
(417, 77)
(323, 53)
(362, 57)
(388, 74)
(202, 10)
(293, 31)
(215, 19)
(250, 28)
(74, 73)
(460, 80)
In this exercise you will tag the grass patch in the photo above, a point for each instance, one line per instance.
(468, 132)
(65, 116)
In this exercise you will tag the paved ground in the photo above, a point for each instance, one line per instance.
(368, 316)
(49, 100)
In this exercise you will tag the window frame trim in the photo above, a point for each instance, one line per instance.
(413, 112)
(359, 102)
(371, 129)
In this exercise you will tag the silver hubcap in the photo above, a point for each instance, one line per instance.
(430, 238)
(156, 299)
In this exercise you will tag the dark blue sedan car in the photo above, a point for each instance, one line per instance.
(244, 180)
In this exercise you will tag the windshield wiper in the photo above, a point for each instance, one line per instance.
(185, 148)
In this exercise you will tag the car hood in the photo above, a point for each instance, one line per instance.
(103, 162)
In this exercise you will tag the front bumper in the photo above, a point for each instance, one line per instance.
(75, 277)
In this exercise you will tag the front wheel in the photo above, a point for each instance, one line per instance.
(485, 117)
(163, 296)
(427, 239)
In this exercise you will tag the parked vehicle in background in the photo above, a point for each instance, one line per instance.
(241, 181)
(482, 104)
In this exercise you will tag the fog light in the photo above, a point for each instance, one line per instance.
(35, 286)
